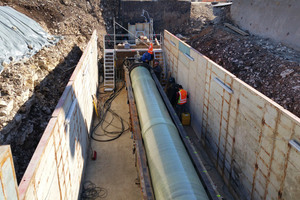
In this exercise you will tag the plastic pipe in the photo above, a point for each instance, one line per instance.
(172, 172)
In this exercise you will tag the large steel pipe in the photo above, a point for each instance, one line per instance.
(172, 172)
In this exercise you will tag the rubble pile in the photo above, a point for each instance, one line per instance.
(269, 67)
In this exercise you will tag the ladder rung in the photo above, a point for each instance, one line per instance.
(108, 89)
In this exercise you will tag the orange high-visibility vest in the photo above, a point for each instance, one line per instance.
(150, 50)
(182, 97)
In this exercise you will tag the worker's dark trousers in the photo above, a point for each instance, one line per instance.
(180, 109)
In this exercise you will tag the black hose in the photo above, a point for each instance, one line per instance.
(103, 114)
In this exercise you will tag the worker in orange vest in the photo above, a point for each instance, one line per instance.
(182, 99)
(148, 56)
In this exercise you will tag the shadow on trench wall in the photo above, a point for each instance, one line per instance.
(24, 131)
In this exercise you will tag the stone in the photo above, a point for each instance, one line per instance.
(10, 106)
(18, 118)
(66, 2)
(3, 112)
(286, 72)
(3, 103)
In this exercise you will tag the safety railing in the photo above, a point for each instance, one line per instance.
(110, 40)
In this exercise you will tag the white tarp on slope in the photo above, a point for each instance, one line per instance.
(20, 36)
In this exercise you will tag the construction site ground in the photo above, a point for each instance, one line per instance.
(30, 89)
(114, 169)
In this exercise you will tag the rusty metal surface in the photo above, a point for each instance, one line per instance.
(142, 166)
(200, 169)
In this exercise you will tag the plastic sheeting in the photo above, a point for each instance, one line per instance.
(20, 36)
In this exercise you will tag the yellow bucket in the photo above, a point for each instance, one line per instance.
(186, 119)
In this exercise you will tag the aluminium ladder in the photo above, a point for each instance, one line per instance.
(159, 55)
(109, 70)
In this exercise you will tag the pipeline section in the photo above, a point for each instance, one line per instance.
(172, 172)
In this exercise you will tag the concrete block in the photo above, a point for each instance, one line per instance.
(262, 167)
(272, 192)
(64, 101)
(247, 185)
(249, 108)
(275, 179)
(286, 121)
(9, 187)
(256, 195)
(270, 116)
(282, 146)
(291, 189)
(1, 191)
(264, 157)
(227, 96)
(267, 145)
(294, 158)
(253, 95)
(278, 162)
(236, 86)
(216, 88)
(167, 35)
(225, 109)
(267, 132)
(284, 128)
(54, 188)
(202, 67)
(260, 182)
(223, 128)
(216, 72)
(226, 174)
(297, 132)
(30, 194)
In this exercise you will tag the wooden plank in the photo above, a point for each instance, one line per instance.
(236, 29)
(145, 180)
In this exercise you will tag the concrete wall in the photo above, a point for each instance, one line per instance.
(275, 19)
(8, 181)
(246, 133)
(56, 168)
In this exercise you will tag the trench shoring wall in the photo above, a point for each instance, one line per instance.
(57, 166)
(246, 133)
(8, 181)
